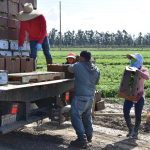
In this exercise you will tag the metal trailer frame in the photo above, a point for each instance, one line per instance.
(43, 94)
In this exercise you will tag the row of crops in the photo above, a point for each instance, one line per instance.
(111, 64)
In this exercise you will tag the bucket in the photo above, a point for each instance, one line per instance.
(3, 77)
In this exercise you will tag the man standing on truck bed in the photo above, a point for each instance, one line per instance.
(86, 77)
(34, 23)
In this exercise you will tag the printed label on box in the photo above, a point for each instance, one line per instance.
(6, 53)
(14, 45)
(3, 44)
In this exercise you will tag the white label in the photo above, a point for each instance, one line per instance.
(3, 78)
(27, 46)
(3, 44)
(22, 53)
(14, 45)
(25, 53)
(6, 53)
(24, 46)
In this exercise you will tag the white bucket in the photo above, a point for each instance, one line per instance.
(3, 77)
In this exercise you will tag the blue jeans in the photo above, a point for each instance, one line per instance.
(138, 109)
(45, 47)
(81, 115)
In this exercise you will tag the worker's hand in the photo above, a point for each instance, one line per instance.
(38, 46)
(20, 48)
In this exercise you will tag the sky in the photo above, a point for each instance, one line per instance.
(101, 15)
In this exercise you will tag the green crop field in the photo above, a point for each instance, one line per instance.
(111, 63)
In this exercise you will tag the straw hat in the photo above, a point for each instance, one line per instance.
(28, 12)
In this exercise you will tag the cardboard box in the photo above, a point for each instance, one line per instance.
(27, 64)
(12, 64)
(100, 105)
(60, 68)
(97, 96)
(13, 34)
(13, 8)
(2, 63)
(13, 23)
(129, 84)
(3, 21)
(3, 6)
(3, 33)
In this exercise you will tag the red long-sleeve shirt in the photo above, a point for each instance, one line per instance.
(36, 29)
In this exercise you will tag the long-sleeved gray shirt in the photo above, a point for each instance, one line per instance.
(86, 77)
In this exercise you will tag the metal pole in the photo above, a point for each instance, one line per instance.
(60, 42)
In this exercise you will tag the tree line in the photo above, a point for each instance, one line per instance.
(90, 38)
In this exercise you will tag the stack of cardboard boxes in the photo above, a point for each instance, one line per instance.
(16, 64)
(10, 57)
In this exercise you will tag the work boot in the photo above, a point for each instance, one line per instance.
(49, 61)
(35, 64)
(136, 129)
(80, 143)
(89, 138)
(130, 127)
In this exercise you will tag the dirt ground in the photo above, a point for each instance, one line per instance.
(109, 134)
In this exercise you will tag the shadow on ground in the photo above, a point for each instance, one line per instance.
(125, 144)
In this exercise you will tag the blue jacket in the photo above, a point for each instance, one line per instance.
(86, 77)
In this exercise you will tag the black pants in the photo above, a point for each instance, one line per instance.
(138, 109)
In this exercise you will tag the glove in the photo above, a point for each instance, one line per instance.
(38, 46)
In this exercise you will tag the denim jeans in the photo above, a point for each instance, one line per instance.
(81, 115)
(138, 109)
(45, 47)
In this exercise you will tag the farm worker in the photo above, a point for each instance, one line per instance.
(136, 60)
(71, 58)
(34, 24)
(86, 77)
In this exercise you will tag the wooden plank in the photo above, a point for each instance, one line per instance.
(35, 91)
(35, 76)
(15, 87)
